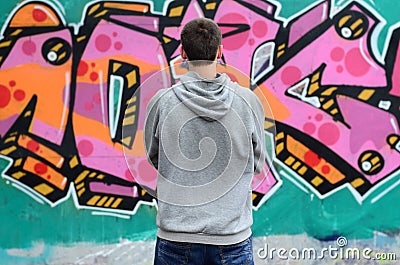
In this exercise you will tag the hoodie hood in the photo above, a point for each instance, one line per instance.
(211, 99)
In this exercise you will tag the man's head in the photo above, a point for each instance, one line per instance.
(201, 40)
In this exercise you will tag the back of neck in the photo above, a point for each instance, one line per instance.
(208, 71)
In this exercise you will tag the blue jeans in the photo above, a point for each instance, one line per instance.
(182, 253)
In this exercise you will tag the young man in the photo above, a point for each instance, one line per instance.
(205, 137)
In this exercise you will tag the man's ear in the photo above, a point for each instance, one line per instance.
(219, 53)
(183, 53)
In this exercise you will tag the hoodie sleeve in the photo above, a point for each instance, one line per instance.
(258, 138)
(151, 141)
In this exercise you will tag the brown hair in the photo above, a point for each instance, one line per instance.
(200, 39)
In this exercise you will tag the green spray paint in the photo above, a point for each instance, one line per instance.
(26, 221)
(293, 211)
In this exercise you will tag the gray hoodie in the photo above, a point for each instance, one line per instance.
(206, 138)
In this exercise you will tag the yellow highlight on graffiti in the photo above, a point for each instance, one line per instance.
(393, 139)
(17, 162)
(357, 183)
(176, 11)
(116, 66)
(366, 94)
(166, 40)
(356, 24)
(108, 203)
(131, 78)
(5, 44)
(130, 110)
(329, 91)
(358, 33)
(315, 77)
(8, 151)
(116, 203)
(93, 9)
(73, 162)
(93, 200)
(290, 160)
(81, 176)
(279, 136)
(102, 201)
(317, 181)
(128, 6)
(302, 170)
(313, 87)
(296, 165)
(81, 191)
(129, 120)
(268, 124)
(78, 187)
(44, 189)
(279, 148)
(211, 6)
(127, 140)
(102, 13)
(81, 38)
(16, 32)
(334, 111)
(18, 175)
(365, 157)
(328, 104)
(343, 20)
(133, 99)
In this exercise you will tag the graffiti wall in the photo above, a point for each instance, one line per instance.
(71, 82)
